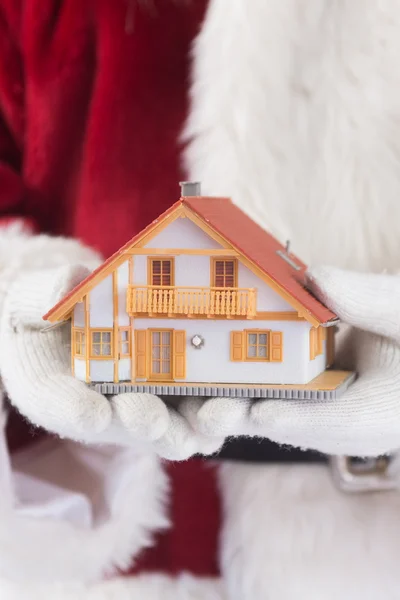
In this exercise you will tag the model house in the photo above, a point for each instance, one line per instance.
(202, 296)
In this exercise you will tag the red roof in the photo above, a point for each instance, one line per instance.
(260, 248)
(240, 231)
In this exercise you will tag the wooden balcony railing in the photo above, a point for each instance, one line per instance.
(210, 302)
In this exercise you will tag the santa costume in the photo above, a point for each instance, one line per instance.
(290, 108)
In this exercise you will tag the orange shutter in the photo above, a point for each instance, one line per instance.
(321, 338)
(313, 342)
(276, 346)
(330, 346)
(179, 350)
(237, 346)
(140, 351)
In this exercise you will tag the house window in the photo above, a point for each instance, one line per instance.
(161, 272)
(101, 343)
(257, 345)
(317, 337)
(124, 342)
(223, 272)
(79, 343)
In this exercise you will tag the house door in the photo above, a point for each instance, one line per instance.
(160, 354)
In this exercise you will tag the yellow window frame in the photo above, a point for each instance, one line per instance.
(257, 345)
(101, 343)
(213, 271)
(150, 270)
(122, 343)
(79, 342)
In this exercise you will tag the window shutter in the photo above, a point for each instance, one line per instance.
(276, 346)
(321, 338)
(313, 342)
(140, 351)
(179, 350)
(330, 346)
(237, 345)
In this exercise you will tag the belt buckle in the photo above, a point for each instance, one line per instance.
(353, 475)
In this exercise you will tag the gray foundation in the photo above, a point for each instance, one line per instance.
(221, 391)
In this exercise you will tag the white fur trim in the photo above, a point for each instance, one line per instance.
(289, 534)
(145, 587)
(124, 491)
(295, 114)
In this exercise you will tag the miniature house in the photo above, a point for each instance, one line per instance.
(202, 296)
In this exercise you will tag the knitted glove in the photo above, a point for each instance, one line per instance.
(365, 421)
(36, 272)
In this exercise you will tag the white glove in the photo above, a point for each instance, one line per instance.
(365, 421)
(35, 366)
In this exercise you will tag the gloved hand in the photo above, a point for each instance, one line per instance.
(365, 421)
(36, 272)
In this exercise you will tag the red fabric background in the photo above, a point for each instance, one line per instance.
(93, 97)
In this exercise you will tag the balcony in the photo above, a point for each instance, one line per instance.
(191, 301)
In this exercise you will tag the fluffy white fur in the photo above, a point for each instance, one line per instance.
(125, 494)
(145, 587)
(290, 535)
(295, 114)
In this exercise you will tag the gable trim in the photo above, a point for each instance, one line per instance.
(62, 310)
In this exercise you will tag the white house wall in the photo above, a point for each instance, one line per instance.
(212, 362)
(101, 370)
(267, 298)
(182, 233)
(316, 366)
(189, 270)
(80, 369)
(122, 286)
(79, 315)
(101, 304)
(124, 369)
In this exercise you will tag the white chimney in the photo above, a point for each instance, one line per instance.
(190, 188)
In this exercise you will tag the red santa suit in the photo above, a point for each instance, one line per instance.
(95, 115)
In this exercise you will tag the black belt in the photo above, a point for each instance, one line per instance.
(261, 450)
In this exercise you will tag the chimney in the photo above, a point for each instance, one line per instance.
(190, 188)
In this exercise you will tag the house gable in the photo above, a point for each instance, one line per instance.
(194, 269)
(152, 240)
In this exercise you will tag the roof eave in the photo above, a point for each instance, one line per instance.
(331, 322)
